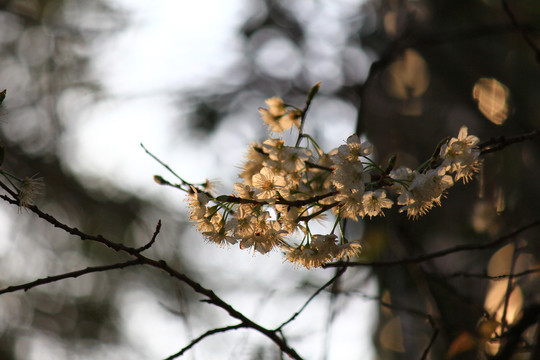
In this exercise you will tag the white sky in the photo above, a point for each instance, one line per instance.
(173, 45)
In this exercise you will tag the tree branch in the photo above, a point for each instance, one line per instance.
(71, 230)
(464, 274)
(215, 300)
(280, 341)
(440, 253)
(151, 242)
(496, 144)
(431, 342)
(340, 272)
(529, 317)
(71, 274)
(205, 335)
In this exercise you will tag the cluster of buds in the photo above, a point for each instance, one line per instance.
(284, 187)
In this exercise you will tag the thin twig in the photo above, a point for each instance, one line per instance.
(217, 301)
(184, 182)
(464, 274)
(72, 230)
(431, 342)
(501, 240)
(340, 272)
(332, 312)
(151, 242)
(323, 209)
(71, 274)
(530, 316)
(497, 144)
(312, 92)
(203, 336)
(509, 289)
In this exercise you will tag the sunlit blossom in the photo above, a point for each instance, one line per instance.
(375, 201)
(461, 155)
(197, 204)
(253, 164)
(353, 149)
(268, 183)
(424, 192)
(276, 116)
(220, 237)
(350, 204)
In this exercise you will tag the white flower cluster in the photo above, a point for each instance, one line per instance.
(285, 187)
(419, 191)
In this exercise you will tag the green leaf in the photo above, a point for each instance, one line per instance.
(2, 96)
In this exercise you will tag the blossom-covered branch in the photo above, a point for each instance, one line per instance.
(284, 187)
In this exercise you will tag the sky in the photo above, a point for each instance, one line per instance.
(181, 45)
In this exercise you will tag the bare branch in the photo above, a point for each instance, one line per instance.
(203, 336)
(280, 341)
(509, 288)
(165, 166)
(501, 142)
(151, 242)
(71, 274)
(430, 345)
(71, 230)
(340, 272)
(493, 277)
(440, 253)
(214, 299)
(529, 317)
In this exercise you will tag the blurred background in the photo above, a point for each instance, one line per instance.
(88, 81)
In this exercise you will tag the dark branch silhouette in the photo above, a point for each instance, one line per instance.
(437, 254)
(203, 336)
(465, 274)
(340, 272)
(71, 274)
(501, 142)
(212, 298)
(151, 242)
(530, 316)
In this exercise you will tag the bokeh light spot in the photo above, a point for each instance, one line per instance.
(493, 99)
